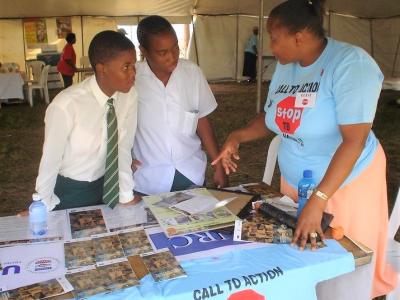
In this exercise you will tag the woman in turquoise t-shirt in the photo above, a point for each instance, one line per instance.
(321, 102)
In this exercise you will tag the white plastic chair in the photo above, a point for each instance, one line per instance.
(393, 246)
(41, 86)
(271, 160)
(34, 71)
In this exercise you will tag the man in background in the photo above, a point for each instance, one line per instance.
(250, 57)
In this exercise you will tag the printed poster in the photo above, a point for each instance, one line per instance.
(64, 26)
(35, 32)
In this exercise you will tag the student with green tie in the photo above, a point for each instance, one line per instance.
(89, 132)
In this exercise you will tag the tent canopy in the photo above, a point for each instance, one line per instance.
(51, 8)
(220, 30)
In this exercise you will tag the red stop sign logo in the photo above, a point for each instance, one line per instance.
(288, 117)
(246, 295)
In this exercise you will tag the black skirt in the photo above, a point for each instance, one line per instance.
(249, 66)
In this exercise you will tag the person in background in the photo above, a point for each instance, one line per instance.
(122, 31)
(250, 57)
(67, 63)
(321, 102)
(174, 102)
(76, 162)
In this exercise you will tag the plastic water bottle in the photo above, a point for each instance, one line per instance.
(37, 216)
(305, 188)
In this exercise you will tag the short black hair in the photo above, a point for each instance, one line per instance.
(152, 25)
(106, 45)
(297, 15)
(70, 37)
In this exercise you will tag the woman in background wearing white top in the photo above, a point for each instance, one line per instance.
(174, 101)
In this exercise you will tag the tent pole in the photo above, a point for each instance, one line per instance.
(195, 43)
(23, 42)
(395, 56)
(260, 55)
(83, 50)
(329, 23)
(371, 38)
(237, 47)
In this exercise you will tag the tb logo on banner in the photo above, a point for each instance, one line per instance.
(288, 117)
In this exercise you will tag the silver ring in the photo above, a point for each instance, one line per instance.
(313, 235)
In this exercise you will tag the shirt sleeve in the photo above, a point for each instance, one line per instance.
(129, 125)
(207, 102)
(357, 83)
(58, 125)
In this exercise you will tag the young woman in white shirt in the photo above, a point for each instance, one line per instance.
(173, 126)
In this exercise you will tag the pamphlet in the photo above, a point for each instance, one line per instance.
(262, 230)
(163, 265)
(107, 247)
(15, 230)
(107, 278)
(79, 253)
(178, 223)
(41, 290)
(85, 222)
(135, 242)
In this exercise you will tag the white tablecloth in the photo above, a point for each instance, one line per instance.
(391, 83)
(11, 86)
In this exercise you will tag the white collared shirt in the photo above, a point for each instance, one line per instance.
(75, 143)
(166, 137)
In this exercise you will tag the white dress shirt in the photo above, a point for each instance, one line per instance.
(75, 143)
(166, 137)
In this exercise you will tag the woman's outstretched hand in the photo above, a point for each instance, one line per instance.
(229, 151)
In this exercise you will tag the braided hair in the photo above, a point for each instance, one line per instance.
(152, 25)
(297, 15)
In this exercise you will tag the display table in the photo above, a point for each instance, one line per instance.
(11, 86)
(216, 267)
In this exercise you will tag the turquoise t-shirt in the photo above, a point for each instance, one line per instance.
(251, 43)
(347, 83)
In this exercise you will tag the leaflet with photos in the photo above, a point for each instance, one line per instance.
(175, 223)
(40, 290)
(163, 266)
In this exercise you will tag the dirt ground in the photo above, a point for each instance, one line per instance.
(21, 139)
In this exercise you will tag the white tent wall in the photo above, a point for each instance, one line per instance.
(220, 38)
(218, 57)
(93, 25)
(216, 46)
(386, 35)
(11, 39)
(220, 44)
(351, 30)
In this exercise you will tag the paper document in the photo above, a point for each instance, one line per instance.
(125, 216)
(197, 204)
(15, 230)
(201, 215)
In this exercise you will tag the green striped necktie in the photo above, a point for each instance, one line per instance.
(111, 185)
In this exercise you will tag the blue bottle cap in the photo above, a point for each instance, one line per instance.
(307, 174)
